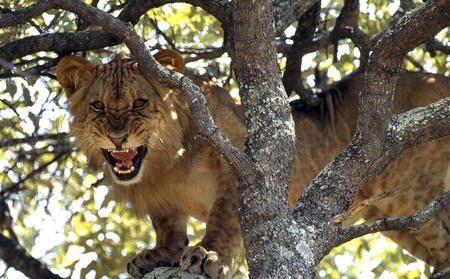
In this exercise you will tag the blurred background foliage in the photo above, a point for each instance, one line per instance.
(60, 212)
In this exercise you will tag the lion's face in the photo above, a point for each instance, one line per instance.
(119, 116)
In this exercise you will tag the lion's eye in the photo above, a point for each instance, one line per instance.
(98, 106)
(139, 103)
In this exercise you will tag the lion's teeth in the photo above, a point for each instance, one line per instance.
(134, 149)
(119, 171)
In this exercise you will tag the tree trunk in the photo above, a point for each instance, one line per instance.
(269, 145)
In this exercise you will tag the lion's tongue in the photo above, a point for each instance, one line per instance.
(124, 158)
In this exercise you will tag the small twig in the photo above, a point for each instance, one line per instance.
(361, 205)
(6, 221)
(158, 31)
(408, 223)
(33, 139)
(14, 188)
(11, 107)
(15, 71)
(414, 62)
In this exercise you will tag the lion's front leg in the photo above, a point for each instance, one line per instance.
(171, 240)
(216, 254)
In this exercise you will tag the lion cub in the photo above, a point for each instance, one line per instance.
(145, 133)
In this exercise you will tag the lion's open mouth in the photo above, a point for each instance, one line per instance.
(125, 164)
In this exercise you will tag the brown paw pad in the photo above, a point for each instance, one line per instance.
(200, 261)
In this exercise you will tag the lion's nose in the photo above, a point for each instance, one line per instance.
(118, 141)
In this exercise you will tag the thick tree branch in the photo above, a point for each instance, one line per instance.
(432, 16)
(444, 274)
(409, 223)
(24, 15)
(87, 40)
(58, 42)
(209, 131)
(373, 147)
(304, 34)
(66, 42)
(346, 23)
(287, 11)
(220, 9)
(347, 27)
(423, 124)
(14, 255)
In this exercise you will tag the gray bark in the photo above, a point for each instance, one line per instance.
(171, 273)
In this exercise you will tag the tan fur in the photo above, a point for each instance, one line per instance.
(180, 178)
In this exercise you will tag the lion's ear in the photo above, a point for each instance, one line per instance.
(170, 59)
(72, 71)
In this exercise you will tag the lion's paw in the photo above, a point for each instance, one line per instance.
(150, 259)
(200, 261)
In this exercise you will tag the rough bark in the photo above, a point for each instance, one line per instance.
(271, 252)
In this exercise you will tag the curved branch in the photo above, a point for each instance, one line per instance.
(58, 42)
(209, 132)
(304, 35)
(15, 255)
(409, 223)
(376, 101)
(88, 40)
(66, 42)
(441, 274)
(422, 124)
(220, 9)
(287, 11)
(24, 15)
(4, 143)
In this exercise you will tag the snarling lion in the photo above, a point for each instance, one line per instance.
(144, 133)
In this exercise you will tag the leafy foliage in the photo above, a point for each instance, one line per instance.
(61, 211)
